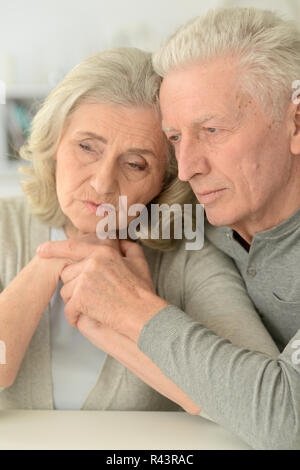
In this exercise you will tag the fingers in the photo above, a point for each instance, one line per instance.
(74, 250)
(72, 313)
(67, 291)
(65, 249)
(70, 272)
(131, 249)
(89, 327)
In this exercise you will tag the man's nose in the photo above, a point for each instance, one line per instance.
(191, 159)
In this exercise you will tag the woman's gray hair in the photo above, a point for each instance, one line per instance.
(123, 76)
(265, 46)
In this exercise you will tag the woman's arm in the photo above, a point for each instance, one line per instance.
(22, 304)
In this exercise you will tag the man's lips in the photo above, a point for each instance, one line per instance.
(209, 196)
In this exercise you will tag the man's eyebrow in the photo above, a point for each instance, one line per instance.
(169, 129)
(93, 135)
(201, 120)
(208, 117)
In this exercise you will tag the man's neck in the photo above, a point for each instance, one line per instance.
(241, 241)
(274, 212)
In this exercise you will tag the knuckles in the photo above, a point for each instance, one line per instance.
(71, 245)
(101, 256)
(108, 252)
(93, 264)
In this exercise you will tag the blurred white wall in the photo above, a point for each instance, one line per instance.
(42, 37)
(40, 40)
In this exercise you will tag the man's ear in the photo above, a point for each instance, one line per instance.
(295, 137)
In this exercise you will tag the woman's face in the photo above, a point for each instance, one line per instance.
(107, 151)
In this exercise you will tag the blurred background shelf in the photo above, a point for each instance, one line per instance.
(16, 114)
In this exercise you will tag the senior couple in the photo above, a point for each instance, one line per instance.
(149, 325)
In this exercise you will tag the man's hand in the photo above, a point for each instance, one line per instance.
(112, 289)
(127, 353)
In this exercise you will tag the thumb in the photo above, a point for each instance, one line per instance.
(131, 249)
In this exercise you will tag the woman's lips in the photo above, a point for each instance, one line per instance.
(92, 207)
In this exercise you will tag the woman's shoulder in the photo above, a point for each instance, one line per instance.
(172, 270)
(10, 205)
(182, 264)
(20, 233)
(15, 215)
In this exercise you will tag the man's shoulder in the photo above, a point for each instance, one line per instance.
(218, 236)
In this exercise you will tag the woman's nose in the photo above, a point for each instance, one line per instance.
(105, 178)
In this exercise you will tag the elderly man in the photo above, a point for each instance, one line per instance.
(227, 107)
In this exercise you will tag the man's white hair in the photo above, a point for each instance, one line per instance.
(265, 46)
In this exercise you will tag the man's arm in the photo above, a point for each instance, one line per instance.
(253, 395)
(127, 353)
(94, 281)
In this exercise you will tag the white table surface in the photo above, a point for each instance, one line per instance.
(111, 430)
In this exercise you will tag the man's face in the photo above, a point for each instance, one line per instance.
(236, 158)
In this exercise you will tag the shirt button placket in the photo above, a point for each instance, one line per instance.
(251, 272)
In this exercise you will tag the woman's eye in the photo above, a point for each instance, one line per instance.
(85, 147)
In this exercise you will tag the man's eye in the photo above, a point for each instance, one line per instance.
(174, 138)
(135, 166)
(212, 130)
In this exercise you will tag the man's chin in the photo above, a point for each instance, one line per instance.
(218, 219)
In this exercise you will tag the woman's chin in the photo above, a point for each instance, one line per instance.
(79, 229)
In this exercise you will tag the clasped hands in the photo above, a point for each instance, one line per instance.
(107, 284)
(109, 296)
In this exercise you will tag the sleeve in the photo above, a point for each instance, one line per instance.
(254, 393)
(215, 295)
(2, 345)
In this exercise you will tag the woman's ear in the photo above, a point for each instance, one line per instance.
(295, 137)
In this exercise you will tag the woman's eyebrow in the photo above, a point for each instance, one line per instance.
(93, 135)
(105, 141)
(141, 150)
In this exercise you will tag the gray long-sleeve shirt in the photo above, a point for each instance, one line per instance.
(253, 395)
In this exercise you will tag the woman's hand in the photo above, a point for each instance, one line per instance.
(52, 268)
(108, 287)
(50, 271)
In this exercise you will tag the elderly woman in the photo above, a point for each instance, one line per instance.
(98, 137)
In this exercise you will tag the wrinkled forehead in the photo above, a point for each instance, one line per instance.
(131, 126)
(211, 89)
